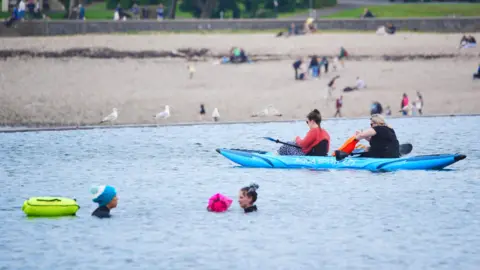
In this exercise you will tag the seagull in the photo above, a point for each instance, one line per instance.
(163, 115)
(215, 115)
(111, 117)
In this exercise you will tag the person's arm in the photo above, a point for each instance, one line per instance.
(307, 141)
(366, 134)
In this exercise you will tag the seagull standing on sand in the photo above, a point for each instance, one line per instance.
(215, 115)
(163, 115)
(111, 117)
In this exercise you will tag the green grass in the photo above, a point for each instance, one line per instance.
(413, 10)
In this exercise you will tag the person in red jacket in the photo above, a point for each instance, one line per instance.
(315, 143)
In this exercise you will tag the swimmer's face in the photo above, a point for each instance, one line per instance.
(113, 203)
(243, 200)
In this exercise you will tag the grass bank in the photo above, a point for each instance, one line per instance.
(412, 11)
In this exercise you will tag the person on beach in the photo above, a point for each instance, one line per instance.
(343, 54)
(247, 196)
(14, 17)
(314, 66)
(477, 75)
(315, 143)
(339, 105)
(467, 42)
(107, 199)
(382, 138)
(376, 108)
(296, 66)
(404, 105)
(202, 111)
(331, 86)
(388, 111)
(324, 63)
(367, 14)
(419, 103)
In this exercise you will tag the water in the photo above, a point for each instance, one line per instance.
(306, 219)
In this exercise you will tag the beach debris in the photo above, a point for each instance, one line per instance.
(270, 110)
(111, 117)
(163, 115)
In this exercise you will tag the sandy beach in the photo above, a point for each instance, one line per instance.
(81, 91)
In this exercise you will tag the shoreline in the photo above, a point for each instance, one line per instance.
(182, 124)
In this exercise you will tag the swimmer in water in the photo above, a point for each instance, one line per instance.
(247, 197)
(106, 197)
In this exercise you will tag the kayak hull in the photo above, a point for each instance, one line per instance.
(262, 159)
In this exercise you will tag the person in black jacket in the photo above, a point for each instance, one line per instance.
(382, 138)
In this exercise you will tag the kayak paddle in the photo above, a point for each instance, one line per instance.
(404, 149)
(278, 141)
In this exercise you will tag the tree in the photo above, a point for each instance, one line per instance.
(207, 7)
(173, 8)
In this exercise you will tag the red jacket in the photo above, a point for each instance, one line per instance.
(313, 137)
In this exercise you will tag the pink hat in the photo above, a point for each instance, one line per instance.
(219, 203)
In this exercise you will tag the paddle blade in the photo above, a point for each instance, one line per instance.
(406, 148)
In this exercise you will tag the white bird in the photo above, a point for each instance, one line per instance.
(163, 115)
(111, 117)
(215, 115)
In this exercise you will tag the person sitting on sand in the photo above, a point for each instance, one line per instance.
(367, 14)
(467, 42)
(360, 84)
(107, 199)
(388, 111)
(477, 75)
(390, 29)
(315, 143)
(382, 138)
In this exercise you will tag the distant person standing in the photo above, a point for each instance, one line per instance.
(339, 105)
(419, 103)
(296, 66)
(160, 13)
(81, 12)
(343, 54)
(404, 104)
(202, 111)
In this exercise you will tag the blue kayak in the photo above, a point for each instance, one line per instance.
(262, 159)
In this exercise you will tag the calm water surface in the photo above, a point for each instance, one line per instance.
(306, 219)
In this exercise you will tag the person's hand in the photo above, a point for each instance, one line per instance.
(357, 132)
(296, 138)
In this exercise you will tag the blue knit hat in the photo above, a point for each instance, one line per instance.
(103, 194)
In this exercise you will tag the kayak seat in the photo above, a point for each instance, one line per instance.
(319, 150)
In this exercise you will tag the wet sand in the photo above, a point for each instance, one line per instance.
(80, 91)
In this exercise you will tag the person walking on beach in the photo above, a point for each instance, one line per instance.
(404, 104)
(339, 105)
(419, 103)
(202, 111)
(331, 86)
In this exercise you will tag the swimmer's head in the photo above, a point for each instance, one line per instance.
(248, 195)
